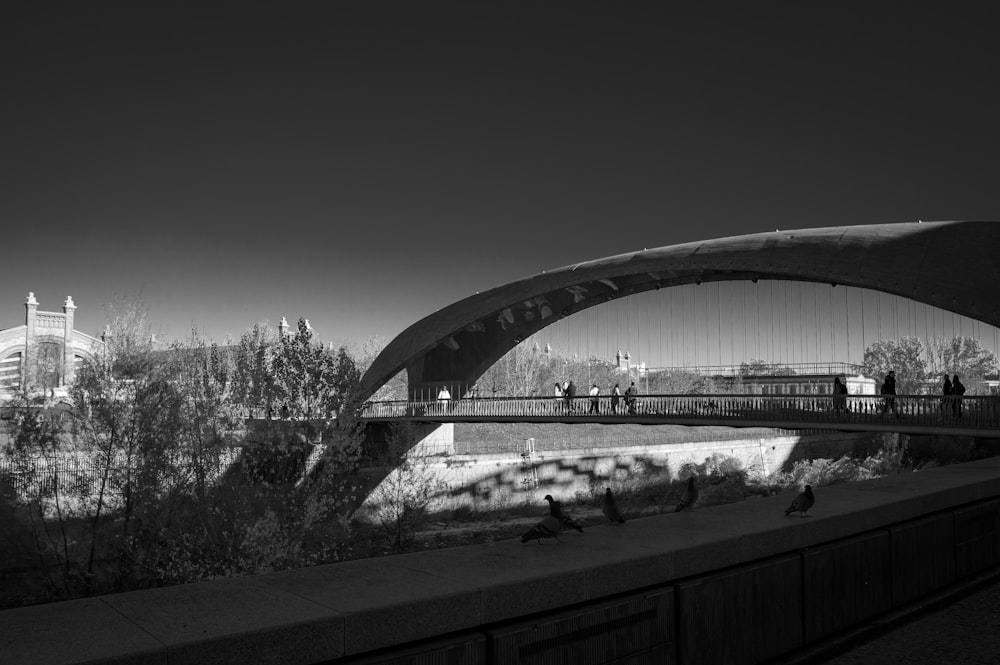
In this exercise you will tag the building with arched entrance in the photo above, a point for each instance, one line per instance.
(45, 352)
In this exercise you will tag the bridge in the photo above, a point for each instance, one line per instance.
(907, 414)
(739, 583)
(452, 348)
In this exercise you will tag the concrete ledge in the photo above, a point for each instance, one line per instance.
(350, 609)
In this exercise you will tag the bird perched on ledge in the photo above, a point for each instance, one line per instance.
(689, 497)
(549, 527)
(610, 508)
(555, 510)
(802, 502)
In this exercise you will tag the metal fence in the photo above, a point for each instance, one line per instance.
(929, 412)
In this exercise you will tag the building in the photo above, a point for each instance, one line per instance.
(45, 352)
(808, 384)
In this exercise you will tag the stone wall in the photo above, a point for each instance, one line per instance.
(488, 480)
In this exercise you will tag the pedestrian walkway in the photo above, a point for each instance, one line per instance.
(964, 631)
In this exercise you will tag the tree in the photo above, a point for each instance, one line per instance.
(904, 356)
(524, 370)
(211, 419)
(395, 388)
(398, 505)
(961, 355)
(128, 415)
(755, 367)
(253, 367)
(344, 389)
(47, 496)
(676, 382)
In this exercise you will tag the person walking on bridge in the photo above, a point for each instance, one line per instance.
(946, 392)
(957, 390)
(570, 395)
(630, 393)
(444, 396)
(839, 395)
(595, 400)
(889, 391)
(616, 394)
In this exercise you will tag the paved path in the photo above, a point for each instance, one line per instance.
(965, 631)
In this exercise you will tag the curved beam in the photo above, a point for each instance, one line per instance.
(951, 265)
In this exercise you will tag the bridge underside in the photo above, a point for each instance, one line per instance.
(456, 345)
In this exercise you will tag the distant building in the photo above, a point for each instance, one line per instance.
(45, 352)
(807, 384)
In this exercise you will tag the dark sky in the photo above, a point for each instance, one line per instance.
(364, 164)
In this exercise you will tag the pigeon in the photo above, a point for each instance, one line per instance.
(555, 509)
(610, 508)
(549, 527)
(802, 502)
(689, 497)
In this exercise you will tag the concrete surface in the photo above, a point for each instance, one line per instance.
(326, 612)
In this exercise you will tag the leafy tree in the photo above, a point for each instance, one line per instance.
(128, 414)
(754, 367)
(398, 505)
(46, 497)
(346, 384)
(524, 370)
(904, 356)
(253, 367)
(964, 356)
(676, 382)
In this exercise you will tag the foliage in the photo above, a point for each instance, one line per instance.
(399, 503)
(524, 370)
(253, 372)
(46, 502)
(964, 356)
(676, 382)
(755, 367)
(905, 356)
(395, 388)
(156, 428)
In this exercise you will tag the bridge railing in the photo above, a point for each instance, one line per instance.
(972, 412)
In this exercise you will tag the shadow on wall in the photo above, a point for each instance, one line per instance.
(580, 479)
(496, 481)
(857, 445)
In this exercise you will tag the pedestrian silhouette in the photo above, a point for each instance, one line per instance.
(957, 390)
(570, 395)
(839, 395)
(946, 391)
(630, 398)
(889, 388)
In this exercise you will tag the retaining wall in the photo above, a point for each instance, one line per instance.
(738, 583)
(489, 480)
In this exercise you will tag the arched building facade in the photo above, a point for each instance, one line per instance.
(46, 351)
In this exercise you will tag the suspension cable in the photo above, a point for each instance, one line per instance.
(878, 315)
(847, 310)
(864, 344)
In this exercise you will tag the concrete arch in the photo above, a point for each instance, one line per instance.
(951, 265)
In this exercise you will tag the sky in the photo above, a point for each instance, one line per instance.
(363, 164)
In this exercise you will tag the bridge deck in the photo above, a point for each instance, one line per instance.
(909, 414)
